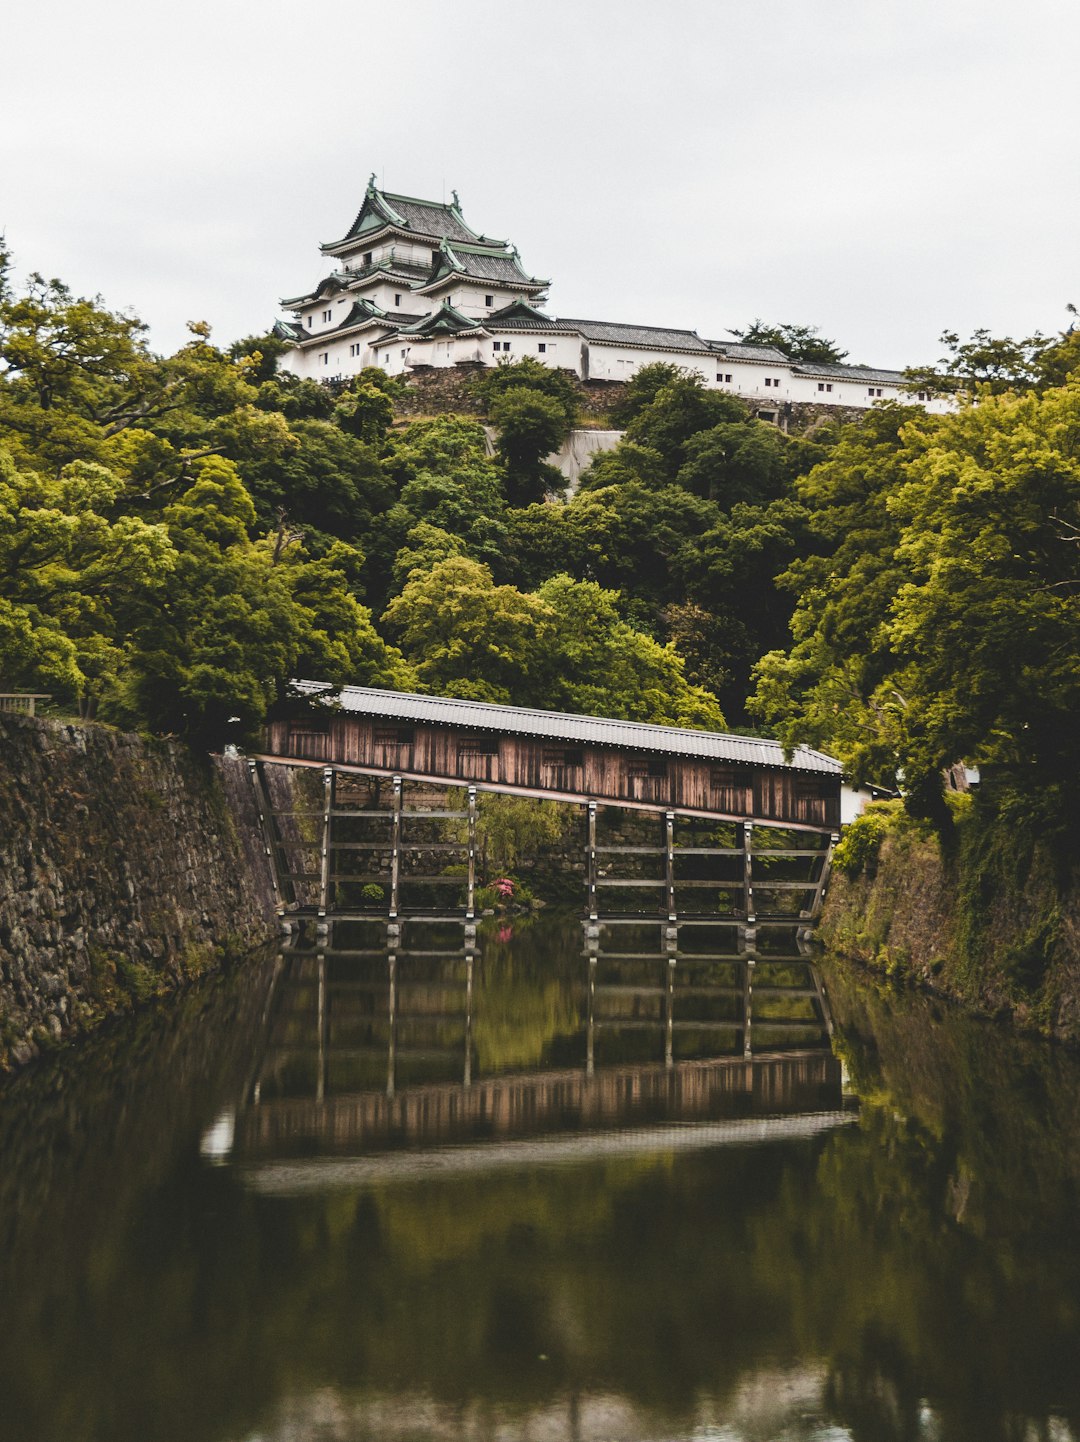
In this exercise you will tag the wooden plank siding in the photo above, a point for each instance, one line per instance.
(623, 777)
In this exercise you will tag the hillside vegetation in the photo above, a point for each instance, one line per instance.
(181, 535)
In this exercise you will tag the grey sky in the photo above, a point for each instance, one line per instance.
(884, 169)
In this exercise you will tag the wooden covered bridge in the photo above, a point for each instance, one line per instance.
(744, 832)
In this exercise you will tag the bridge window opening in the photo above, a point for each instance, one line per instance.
(810, 788)
(478, 746)
(394, 735)
(563, 756)
(653, 766)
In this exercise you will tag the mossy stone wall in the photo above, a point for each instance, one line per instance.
(127, 868)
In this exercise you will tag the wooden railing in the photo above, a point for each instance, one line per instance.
(22, 702)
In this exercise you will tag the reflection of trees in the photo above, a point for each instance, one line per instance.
(926, 1257)
(523, 1001)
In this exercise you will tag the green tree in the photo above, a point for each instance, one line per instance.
(737, 461)
(466, 635)
(642, 389)
(998, 364)
(603, 666)
(77, 582)
(679, 410)
(243, 616)
(800, 342)
(940, 621)
(529, 425)
(530, 374)
(321, 477)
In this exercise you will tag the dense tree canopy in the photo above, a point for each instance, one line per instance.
(941, 621)
(180, 536)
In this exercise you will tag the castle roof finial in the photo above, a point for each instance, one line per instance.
(457, 203)
(371, 183)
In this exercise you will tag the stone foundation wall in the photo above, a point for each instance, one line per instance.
(437, 391)
(1003, 942)
(127, 868)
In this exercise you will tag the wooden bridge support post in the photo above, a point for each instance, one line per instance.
(324, 1031)
(811, 914)
(748, 878)
(468, 1018)
(748, 1005)
(395, 854)
(391, 1050)
(590, 1019)
(591, 860)
(822, 998)
(669, 1019)
(324, 858)
(262, 803)
(669, 846)
(470, 899)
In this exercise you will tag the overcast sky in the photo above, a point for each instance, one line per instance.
(882, 169)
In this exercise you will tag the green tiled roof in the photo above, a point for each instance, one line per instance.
(481, 262)
(428, 218)
(444, 321)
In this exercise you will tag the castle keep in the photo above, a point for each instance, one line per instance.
(414, 287)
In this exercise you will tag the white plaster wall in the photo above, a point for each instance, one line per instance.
(621, 363)
(562, 351)
(578, 450)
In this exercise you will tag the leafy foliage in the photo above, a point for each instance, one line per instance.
(800, 342)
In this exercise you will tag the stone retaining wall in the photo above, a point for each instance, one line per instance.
(127, 868)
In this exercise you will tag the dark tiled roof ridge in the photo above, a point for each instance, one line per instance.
(480, 714)
(841, 369)
(631, 325)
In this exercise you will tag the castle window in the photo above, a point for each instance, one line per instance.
(495, 346)
(397, 297)
(506, 345)
(875, 391)
(541, 348)
(325, 358)
(402, 355)
(328, 315)
(923, 396)
(367, 257)
(489, 300)
(723, 379)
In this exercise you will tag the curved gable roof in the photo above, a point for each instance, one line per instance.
(429, 219)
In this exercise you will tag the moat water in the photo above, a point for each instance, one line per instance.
(504, 1191)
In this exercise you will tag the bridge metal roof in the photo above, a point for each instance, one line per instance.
(557, 726)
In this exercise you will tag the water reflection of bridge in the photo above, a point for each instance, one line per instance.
(419, 1041)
